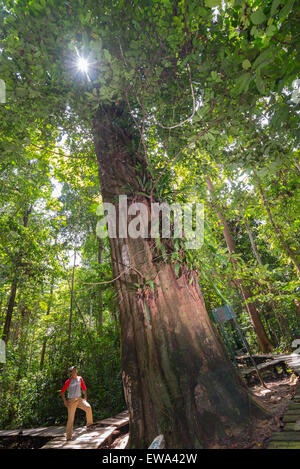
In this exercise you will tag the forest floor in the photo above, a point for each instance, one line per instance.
(276, 400)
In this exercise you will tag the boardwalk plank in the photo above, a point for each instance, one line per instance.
(286, 436)
(284, 445)
(44, 431)
(34, 432)
(290, 418)
(9, 433)
(292, 426)
(88, 440)
(294, 406)
(292, 412)
(118, 421)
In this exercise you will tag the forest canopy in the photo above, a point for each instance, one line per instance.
(167, 102)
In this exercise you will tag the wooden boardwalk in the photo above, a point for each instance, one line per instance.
(289, 437)
(82, 439)
(292, 360)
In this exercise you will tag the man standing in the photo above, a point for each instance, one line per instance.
(74, 385)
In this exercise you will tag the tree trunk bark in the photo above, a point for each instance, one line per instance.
(177, 377)
(262, 338)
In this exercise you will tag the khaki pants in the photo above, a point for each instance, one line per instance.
(72, 406)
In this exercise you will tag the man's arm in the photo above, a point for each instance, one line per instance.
(83, 387)
(62, 392)
(64, 398)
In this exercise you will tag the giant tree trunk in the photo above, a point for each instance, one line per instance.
(177, 377)
(262, 339)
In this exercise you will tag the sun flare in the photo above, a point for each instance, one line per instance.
(83, 64)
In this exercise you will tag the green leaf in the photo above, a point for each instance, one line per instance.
(144, 194)
(271, 30)
(147, 311)
(107, 55)
(275, 5)
(21, 91)
(267, 56)
(213, 3)
(254, 31)
(242, 83)
(246, 64)
(259, 82)
(258, 17)
(286, 10)
(99, 210)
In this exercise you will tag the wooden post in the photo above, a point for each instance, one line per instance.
(248, 350)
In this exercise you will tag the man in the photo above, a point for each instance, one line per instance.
(74, 385)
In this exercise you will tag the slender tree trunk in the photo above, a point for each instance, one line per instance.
(297, 307)
(277, 230)
(49, 305)
(100, 304)
(14, 286)
(10, 308)
(177, 377)
(22, 345)
(262, 338)
(68, 357)
(253, 245)
(271, 306)
(1, 309)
